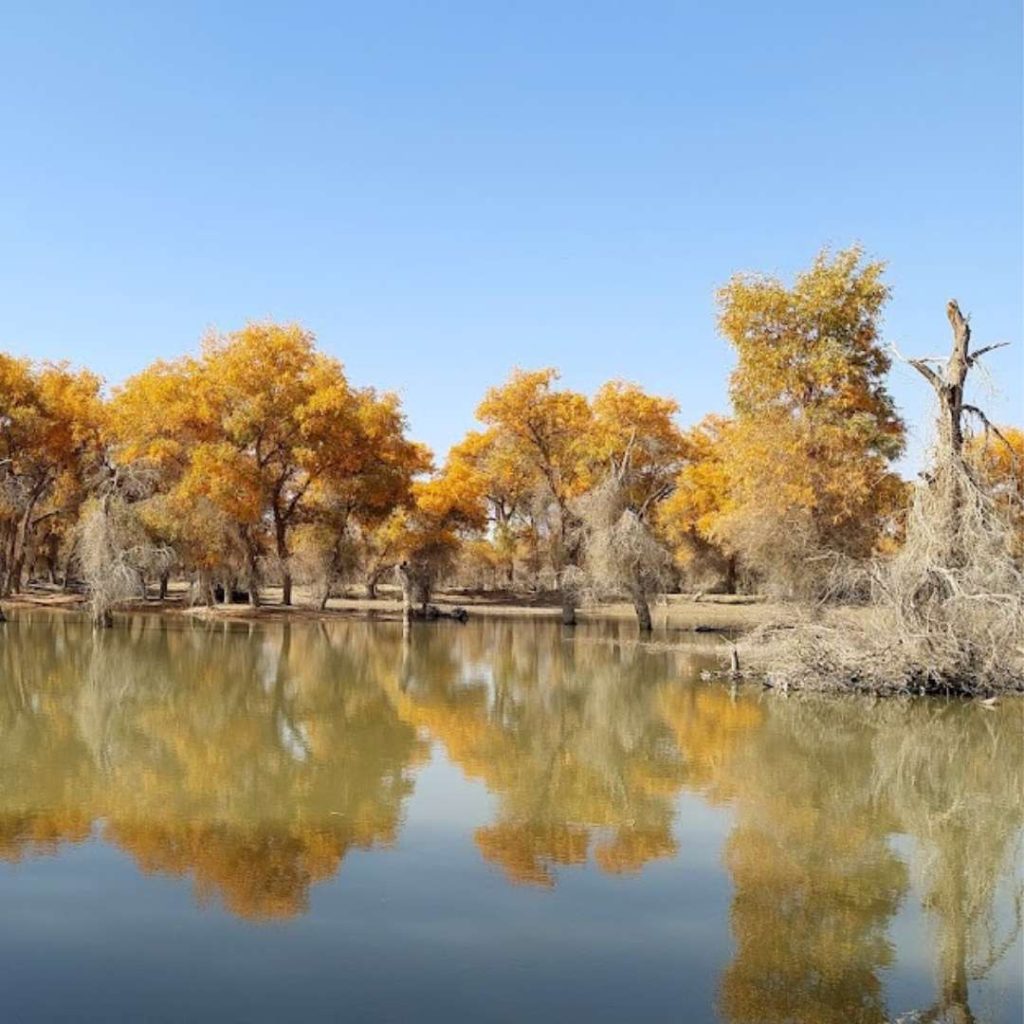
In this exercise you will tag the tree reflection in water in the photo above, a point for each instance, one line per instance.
(253, 760)
(252, 763)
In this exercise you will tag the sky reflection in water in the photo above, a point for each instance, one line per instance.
(492, 822)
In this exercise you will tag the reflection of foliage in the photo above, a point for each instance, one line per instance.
(568, 737)
(955, 779)
(251, 763)
(819, 790)
(816, 882)
(258, 872)
(709, 725)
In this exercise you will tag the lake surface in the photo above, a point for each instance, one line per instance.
(497, 822)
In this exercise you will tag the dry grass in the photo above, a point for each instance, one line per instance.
(944, 615)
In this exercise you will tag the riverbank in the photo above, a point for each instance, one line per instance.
(673, 612)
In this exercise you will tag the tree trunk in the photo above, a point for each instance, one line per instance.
(568, 607)
(568, 596)
(17, 562)
(252, 557)
(281, 537)
(164, 580)
(406, 580)
(208, 595)
(949, 389)
(5, 578)
(371, 587)
(730, 575)
(643, 611)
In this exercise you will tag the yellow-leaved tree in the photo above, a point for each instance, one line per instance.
(51, 425)
(692, 516)
(998, 458)
(259, 436)
(545, 431)
(574, 483)
(815, 430)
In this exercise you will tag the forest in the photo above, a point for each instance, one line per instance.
(256, 462)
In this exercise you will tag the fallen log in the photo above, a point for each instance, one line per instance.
(432, 612)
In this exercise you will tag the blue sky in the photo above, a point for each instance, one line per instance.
(442, 191)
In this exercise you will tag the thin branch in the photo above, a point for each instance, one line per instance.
(989, 425)
(975, 356)
(927, 372)
(920, 365)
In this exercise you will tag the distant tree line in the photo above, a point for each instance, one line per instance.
(257, 461)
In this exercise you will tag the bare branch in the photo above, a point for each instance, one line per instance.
(926, 371)
(975, 356)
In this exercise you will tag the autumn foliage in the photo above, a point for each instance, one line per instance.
(256, 461)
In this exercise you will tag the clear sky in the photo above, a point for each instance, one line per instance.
(443, 190)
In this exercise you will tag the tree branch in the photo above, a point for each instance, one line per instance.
(975, 356)
(927, 372)
(990, 427)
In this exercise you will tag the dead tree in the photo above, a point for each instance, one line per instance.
(948, 379)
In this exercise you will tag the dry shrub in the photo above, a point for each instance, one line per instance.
(115, 554)
(945, 613)
(620, 551)
(782, 548)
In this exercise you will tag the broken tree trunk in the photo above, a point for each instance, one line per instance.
(948, 379)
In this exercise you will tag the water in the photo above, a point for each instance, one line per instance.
(495, 822)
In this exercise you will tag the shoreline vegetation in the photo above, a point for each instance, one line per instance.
(673, 613)
(255, 470)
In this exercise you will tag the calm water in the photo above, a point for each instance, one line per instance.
(494, 822)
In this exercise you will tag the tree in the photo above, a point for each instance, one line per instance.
(946, 609)
(51, 420)
(159, 420)
(287, 418)
(691, 517)
(428, 535)
(508, 486)
(815, 428)
(354, 497)
(544, 431)
(637, 452)
(265, 432)
(115, 551)
(997, 458)
(951, 479)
